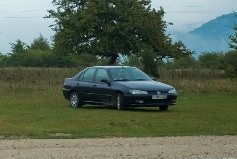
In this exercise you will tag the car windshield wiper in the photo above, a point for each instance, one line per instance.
(140, 79)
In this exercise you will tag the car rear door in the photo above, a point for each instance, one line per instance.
(84, 85)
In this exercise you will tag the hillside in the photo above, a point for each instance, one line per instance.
(211, 36)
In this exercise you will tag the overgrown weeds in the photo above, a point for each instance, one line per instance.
(22, 79)
(198, 80)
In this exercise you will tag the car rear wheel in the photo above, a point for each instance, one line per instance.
(163, 108)
(74, 100)
(120, 101)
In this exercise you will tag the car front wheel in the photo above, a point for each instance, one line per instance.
(74, 100)
(120, 101)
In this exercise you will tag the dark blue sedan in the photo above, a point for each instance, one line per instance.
(119, 86)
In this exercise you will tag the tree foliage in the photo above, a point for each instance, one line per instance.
(212, 60)
(40, 43)
(230, 63)
(179, 50)
(185, 63)
(109, 27)
(18, 47)
(233, 38)
(149, 61)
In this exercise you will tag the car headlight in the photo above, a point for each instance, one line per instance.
(134, 91)
(173, 91)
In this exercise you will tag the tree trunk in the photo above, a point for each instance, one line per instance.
(112, 60)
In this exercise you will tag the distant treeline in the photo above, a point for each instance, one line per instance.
(225, 64)
(40, 54)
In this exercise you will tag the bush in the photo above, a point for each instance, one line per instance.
(212, 60)
(231, 63)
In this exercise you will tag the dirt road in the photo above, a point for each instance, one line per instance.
(207, 147)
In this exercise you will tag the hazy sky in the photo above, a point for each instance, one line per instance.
(22, 19)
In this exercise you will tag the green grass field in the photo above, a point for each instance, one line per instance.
(32, 106)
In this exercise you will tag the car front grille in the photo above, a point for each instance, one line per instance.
(155, 92)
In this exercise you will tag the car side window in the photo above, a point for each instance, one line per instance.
(101, 74)
(87, 75)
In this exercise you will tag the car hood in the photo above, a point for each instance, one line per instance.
(145, 85)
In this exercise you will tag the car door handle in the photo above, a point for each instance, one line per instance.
(78, 84)
(94, 85)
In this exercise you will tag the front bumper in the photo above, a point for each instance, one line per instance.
(66, 93)
(146, 100)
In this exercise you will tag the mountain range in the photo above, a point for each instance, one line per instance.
(212, 36)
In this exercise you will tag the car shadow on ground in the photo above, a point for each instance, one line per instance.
(130, 109)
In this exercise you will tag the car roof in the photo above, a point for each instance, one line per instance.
(108, 67)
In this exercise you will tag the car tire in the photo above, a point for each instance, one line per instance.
(163, 108)
(74, 100)
(120, 101)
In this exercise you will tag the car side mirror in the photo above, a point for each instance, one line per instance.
(105, 81)
(153, 78)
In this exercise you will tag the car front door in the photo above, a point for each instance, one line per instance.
(101, 89)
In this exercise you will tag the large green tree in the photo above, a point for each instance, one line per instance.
(109, 27)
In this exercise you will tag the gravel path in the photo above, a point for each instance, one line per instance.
(207, 147)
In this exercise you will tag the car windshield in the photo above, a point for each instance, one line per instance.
(128, 74)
